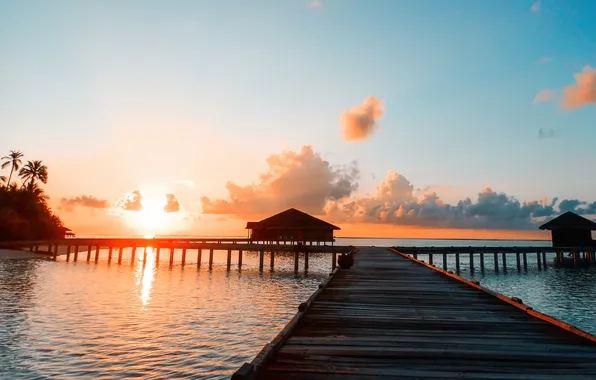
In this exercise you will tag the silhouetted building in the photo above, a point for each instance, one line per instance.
(66, 232)
(292, 226)
(571, 230)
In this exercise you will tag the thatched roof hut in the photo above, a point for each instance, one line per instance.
(571, 230)
(291, 225)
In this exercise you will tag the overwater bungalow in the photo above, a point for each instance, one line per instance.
(571, 230)
(293, 226)
(66, 233)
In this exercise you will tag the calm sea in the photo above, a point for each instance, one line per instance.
(85, 320)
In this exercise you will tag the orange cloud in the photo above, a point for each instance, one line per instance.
(360, 122)
(69, 204)
(133, 201)
(172, 203)
(303, 180)
(306, 181)
(584, 92)
(544, 96)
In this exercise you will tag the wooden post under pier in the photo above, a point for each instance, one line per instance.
(305, 261)
(240, 260)
(261, 259)
(110, 254)
(211, 259)
(271, 261)
(518, 261)
(89, 253)
(199, 257)
(504, 255)
(482, 261)
(538, 260)
(525, 258)
(120, 255)
(296, 264)
(76, 253)
(457, 262)
(172, 249)
(496, 257)
(132, 255)
(157, 251)
(229, 259)
(471, 261)
(444, 261)
(68, 253)
(97, 253)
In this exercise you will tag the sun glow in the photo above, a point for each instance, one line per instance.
(151, 217)
(147, 213)
(145, 274)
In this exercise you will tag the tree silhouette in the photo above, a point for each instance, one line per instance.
(14, 160)
(34, 171)
(24, 211)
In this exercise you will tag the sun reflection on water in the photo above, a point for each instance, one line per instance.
(145, 273)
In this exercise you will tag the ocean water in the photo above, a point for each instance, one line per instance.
(98, 320)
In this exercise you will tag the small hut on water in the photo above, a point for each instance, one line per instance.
(292, 226)
(571, 230)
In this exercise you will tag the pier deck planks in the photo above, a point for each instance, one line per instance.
(388, 317)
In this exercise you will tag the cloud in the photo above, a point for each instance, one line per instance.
(544, 96)
(395, 202)
(172, 203)
(316, 4)
(132, 201)
(545, 133)
(584, 92)
(360, 122)
(302, 179)
(536, 7)
(306, 181)
(69, 204)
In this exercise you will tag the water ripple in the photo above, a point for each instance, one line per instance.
(87, 321)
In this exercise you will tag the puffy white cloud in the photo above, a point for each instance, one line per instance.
(303, 180)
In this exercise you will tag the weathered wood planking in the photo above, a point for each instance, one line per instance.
(390, 317)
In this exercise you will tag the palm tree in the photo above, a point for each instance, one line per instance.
(34, 171)
(13, 159)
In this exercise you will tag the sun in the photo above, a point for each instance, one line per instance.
(151, 219)
(149, 211)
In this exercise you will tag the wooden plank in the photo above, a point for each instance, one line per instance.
(391, 317)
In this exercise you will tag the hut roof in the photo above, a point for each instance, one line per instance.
(291, 219)
(569, 220)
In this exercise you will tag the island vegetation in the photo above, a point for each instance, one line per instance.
(24, 210)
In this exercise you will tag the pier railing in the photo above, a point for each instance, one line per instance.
(93, 247)
(501, 258)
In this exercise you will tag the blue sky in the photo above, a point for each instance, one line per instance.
(242, 80)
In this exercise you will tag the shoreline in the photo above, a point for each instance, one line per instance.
(14, 254)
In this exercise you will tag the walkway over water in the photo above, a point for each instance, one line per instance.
(392, 317)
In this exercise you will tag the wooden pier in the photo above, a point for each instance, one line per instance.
(392, 316)
(113, 249)
(502, 258)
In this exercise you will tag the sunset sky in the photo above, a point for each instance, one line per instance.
(190, 117)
